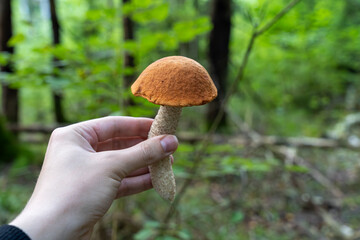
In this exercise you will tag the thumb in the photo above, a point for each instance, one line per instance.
(141, 155)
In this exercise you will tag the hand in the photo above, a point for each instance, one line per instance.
(87, 166)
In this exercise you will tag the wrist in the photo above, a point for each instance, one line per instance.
(45, 223)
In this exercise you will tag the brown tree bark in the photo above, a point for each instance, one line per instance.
(57, 94)
(129, 59)
(10, 99)
(219, 55)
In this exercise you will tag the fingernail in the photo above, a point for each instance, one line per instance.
(169, 143)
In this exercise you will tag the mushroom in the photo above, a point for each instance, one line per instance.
(172, 82)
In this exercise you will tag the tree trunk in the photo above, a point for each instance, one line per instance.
(57, 94)
(10, 100)
(219, 55)
(129, 60)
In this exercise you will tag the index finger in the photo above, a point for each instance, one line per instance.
(102, 129)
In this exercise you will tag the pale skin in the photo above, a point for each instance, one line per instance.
(87, 166)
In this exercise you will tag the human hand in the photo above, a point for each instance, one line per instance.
(87, 166)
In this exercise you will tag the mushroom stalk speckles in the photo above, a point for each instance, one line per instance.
(162, 176)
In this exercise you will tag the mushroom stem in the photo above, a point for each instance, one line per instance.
(161, 173)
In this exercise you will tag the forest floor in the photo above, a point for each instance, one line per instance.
(267, 198)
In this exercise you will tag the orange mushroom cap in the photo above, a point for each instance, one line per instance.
(175, 81)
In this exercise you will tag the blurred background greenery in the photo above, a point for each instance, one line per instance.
(282, 162)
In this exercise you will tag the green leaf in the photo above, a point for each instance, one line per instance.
(184, 234)
(185, 148)
(60, 52)
(167, 238)
(221, 148)
(144, 234)
(234, 163)
(94, 14)
(131, 46)
(57, 83)
(4, 58)
(16, 39)
(296, 168)
(237, 217)
(154, 14)
(149, 42)
(188, 30)
(169, 42)
(152, 224)
(256, 167)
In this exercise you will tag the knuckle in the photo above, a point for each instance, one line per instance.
(124, 189)
(59, 133)
(123, 172)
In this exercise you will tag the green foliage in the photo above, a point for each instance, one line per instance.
(223, 160)
(149, 230)
(298, 169)
(308, 50)
(237, 217)
(302, 76)
(187, 30)
(152, 228)
(157, 13)
(4, 58)
(91, 52)
(16, 39)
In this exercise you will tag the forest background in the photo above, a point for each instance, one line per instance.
(275, 156)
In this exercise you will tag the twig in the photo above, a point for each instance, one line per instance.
(313, 172)
(197, 157)
(263, 140)
(277, 17)
(342, 231)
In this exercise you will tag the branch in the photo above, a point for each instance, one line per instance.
(341, 230)
(197, 156)
(289, 153)
(301, 142)
(33, 129)
(261, 140)
(256, 140)
(277, 17)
